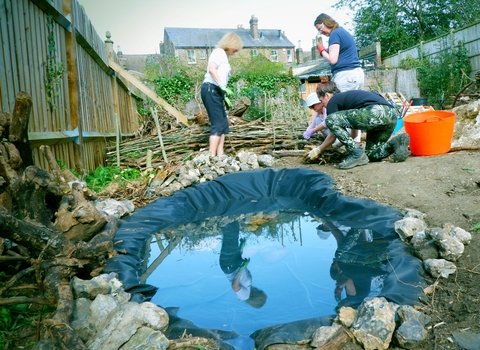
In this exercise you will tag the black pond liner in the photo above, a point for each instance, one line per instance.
(264, 191)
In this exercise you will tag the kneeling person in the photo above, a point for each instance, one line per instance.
(363, 110)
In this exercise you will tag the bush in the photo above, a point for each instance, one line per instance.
(265, 83)
(442, 77)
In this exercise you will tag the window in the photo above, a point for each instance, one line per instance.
(253, 53)
(202, 54)
(274, 56)
(191, 57)
(289, 56)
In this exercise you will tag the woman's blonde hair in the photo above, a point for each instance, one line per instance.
(328, 21)
(230, 41)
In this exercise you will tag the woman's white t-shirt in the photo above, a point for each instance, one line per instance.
(219, 57)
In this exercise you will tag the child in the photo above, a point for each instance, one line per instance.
(318, 122)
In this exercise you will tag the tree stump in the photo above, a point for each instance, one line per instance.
(50, 253)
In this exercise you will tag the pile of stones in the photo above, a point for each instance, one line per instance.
(206, 168)
(377, 323)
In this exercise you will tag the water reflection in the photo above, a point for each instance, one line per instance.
(359, 265)
(285, 254)
(234, 265)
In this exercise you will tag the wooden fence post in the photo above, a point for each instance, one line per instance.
(72, 78)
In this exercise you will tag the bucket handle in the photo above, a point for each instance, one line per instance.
(433, 119)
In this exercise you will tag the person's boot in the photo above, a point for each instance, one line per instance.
(400, 145)
(355, 158)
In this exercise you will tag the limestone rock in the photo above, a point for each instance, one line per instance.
(375, 323)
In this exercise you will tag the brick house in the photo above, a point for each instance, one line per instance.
(193, 45)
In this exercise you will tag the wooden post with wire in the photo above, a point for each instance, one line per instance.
(159, 131)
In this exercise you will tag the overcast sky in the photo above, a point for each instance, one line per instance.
(137, 25)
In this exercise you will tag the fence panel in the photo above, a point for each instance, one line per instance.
(469, 36)
(75, 117)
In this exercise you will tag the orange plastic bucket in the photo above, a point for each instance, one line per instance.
(430, 132)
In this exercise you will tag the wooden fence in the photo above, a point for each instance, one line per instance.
(469, 36)
(50, 50)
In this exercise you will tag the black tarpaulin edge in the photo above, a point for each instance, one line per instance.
(265, 190)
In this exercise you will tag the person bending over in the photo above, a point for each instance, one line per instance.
(364, 110)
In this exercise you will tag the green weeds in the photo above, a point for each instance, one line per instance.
(103, 176)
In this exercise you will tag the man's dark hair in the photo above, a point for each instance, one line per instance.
(329, 86)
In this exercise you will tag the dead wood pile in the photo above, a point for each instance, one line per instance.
(180, 142)
(56, 231)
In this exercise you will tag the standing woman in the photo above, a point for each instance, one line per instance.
(342, 54)
(215, 93)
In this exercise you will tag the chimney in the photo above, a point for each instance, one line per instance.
(279, 33)
(254, 27)
(299, 54)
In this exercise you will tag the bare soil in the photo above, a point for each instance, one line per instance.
(447, 189)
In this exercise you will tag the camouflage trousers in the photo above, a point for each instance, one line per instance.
(378, 121)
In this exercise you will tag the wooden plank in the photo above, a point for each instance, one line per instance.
(20, 45)
(3, 59)
(14, 87)
(147, 91)
(34, 63)
(41, 37)
(49, 9)
(72, 73)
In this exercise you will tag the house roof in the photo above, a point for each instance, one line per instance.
(313, 69)
(209, 37)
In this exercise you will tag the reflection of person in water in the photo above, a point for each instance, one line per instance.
(235, 267)
(358, 266)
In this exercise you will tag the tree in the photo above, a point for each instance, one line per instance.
(399, 24)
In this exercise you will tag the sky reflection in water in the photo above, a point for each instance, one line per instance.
(289, 262)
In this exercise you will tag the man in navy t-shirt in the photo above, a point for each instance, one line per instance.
(363, 110)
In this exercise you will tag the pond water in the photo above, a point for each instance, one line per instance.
(186, 254)
(282, 259)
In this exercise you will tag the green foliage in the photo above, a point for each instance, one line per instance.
(161, 65)
(400, 25)
(256, 66)
(439, 77)
(255, 112)
(13, 317)
(263, 75)
(103, 176)
(171, 80)
(143, 107)
(152, 67)
(262, 81)
(175, 89)
(409, 63)
(476, 227)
